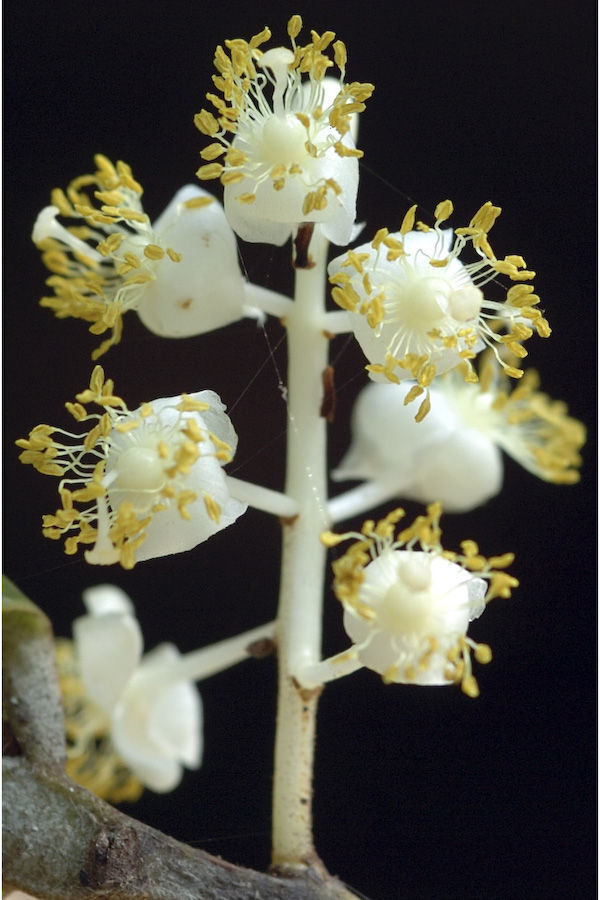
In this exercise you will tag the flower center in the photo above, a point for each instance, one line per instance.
(423, 301)
(465, 303)
(407, 605)
(140, 475)
(283, 141)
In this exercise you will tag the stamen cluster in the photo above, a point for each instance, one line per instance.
(128, 467)
(530, 426)
(101, 266)
(418, 311)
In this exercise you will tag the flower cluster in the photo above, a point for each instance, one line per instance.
(113, 259)
(417, 310)
(130, 721)
(288, 154)
(407, 610)
(150, 481)
(454, 455)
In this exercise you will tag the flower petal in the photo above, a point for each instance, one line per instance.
(109, 647)
(205, 289)
(157, 725)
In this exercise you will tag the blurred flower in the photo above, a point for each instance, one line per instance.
(407, 610)
(114, 260)
(152, 479)
(288, 155)
(130, 720)
(454, 455)
(417, 311)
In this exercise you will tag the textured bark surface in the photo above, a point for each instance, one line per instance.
(60, 841)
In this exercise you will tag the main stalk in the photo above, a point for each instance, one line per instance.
(303, 561)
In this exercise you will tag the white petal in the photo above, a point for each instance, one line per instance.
(169, 533)
(175, 723)
(106, 598)
(214, 419)
(157, 725)
(109, 647)
(205, 290)
(273, 215)
(477, 588)
(462, 473)
(386, 440)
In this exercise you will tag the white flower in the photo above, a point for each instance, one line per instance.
(417, 310)
(288, 151)
(155, 719)
(181, 274)
(152, 478)
(407, 610)
(421, 607)
(440, 458)
(454, 455)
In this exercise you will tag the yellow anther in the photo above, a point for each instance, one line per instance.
(212, 508)
(443, 211)
(408, 222)
(211, 170)
(294, 26)
(153, 251)
(340, 55)
(469, 686)
(483, 653)
(190, 404)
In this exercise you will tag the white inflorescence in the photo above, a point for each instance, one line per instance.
(407, 608)
(418, 311)
(181, 273)
(284, 133)
(152, 478)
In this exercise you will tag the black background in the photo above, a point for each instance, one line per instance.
(419, 792)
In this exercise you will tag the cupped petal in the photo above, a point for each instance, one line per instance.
(106, 598)
(205, 289)
(386, 441)
(109, 647)
(275, 214)
(213, 510)
(175, 723)
(462, 473)
(413, 623)
(157, 724)
(441, 458)
(214, 419)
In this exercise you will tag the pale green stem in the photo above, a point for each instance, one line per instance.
(200, 664)
(359, 500)
(337, 322)
(262, 498)
(303, 562)
(271, 302)
(337, 666)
